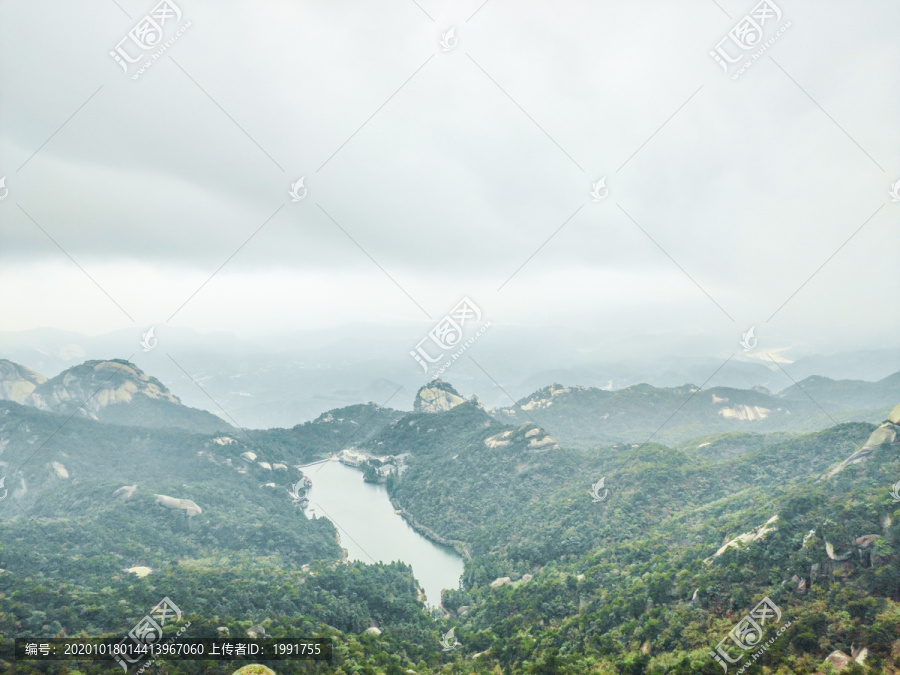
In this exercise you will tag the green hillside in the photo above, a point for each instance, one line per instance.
(643, 573)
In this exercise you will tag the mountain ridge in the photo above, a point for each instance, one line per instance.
(115, 391)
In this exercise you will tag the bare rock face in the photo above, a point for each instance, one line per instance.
(498, 441)
(94, 385)
(437, 396)
(500, 581)
(140, 571)
(59, 470)
(894, 417)
(17, 382)
(544, 398)
(838, 659)
(537, 439)
(547, 442)
(865, 540)
(112, 390)
(829, 551)
(745, 413)
(756, 535)
(186, 505)
(889, 432)
(125, 491)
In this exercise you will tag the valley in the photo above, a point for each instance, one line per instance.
(545, 576)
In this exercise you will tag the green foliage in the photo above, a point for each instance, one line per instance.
(627, 584)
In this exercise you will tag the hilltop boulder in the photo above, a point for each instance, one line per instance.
(437, 396)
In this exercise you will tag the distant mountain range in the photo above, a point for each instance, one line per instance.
(278, 382)
(119, 392)
(847, 394)
(586, 416)
(637, 552)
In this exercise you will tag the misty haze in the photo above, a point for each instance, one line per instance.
(473, 338)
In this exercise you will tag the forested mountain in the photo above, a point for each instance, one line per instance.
(846, 394)
(114, 391)
(585, 417)
(623, 557)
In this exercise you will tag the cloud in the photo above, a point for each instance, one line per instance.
(435, 175)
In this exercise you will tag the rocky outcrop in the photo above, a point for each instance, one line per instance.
(544, 397)
(186, 505)
(829, 551)
(114, 391)
(839, 660)
(95, 385)
(745, 413)
(139, 571)
(125, 491)
(437, 396)
(536, 438)
(17, 382)
(498, 440)
(546, 442)
(889, 432)
(756, 535)
(500, 581)
(59, 470)
(894, 417)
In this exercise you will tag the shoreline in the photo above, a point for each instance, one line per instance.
(458, 546)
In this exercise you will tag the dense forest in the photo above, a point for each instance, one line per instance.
(645, 575)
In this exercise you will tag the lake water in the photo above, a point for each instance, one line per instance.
(372, 532)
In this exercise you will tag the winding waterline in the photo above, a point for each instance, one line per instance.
(370, 529)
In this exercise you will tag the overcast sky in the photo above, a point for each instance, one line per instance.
(434, 174)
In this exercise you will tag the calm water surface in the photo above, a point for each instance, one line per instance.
(372, 532)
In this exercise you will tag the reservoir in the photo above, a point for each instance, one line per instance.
(371, 531)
